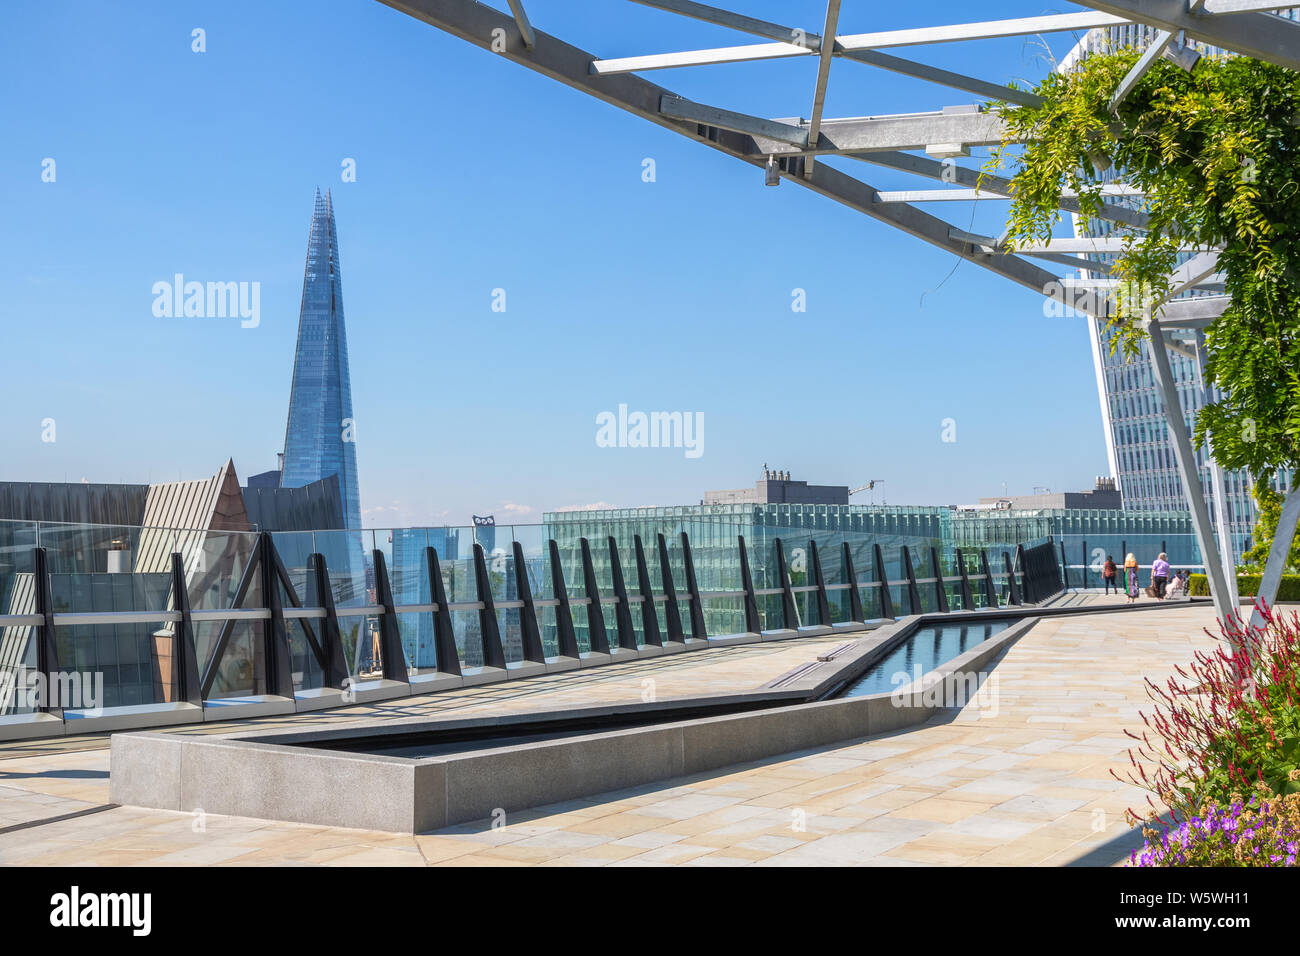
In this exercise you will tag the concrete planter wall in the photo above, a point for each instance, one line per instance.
(278, 775)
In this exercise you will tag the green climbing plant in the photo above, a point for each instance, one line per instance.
(1216, 154)
(1268, 507)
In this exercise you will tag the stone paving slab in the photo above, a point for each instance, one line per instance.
(1027, 783)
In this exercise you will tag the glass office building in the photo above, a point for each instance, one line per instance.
(1138, 445)
(319, 438)
(932, 535)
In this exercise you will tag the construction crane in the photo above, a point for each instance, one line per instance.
(869, 486)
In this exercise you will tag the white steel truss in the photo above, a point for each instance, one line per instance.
(913, 143)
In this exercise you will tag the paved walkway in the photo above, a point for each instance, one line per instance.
(1025, 781)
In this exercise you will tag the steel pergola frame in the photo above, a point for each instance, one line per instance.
(913, 143)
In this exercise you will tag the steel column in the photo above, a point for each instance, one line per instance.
(335, 668)
(940, 586)
(47, 648)
(1013, 590)
(494, 655)
(649, 614)
(185, 667)
(275, 637)
(752, 623)
(789, 613)
(568, 641)
(1186, 458)
(913, 593)
(886, 599)
(698, 631)
(531, 636)
(1218, 491)
(1027, 582)
(672, 612)
(1278, 552)
(390, 635)
(967, 598)
(308, 631)
(447, 658)
(851, 579)
(598, 642)
(990, 594)
(823, 603)
(622, 609)
(250, 574)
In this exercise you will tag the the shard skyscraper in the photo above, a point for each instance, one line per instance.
(320, 437)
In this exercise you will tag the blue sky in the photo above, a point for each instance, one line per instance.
(474, 174)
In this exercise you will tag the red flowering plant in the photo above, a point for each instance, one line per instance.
(1226, 724)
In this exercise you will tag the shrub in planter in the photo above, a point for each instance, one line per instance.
(1264, 831)
(1288, 589)
(1224, 725)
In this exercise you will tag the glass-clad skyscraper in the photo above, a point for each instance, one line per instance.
(1138, 444)
(319, 439)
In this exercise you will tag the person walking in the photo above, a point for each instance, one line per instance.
(1108, 571)
(1160, 575)
(1131, 577)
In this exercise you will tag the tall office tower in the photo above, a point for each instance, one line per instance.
(319, 438)
(1138, 445)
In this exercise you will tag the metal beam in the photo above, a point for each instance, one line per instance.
(1277, 555)
(812, 43)
(684, 109)
(1185, 456)
(1213, 7)
(1193, 273)
(521, 20)
(968, 127)
(1260, 35)
(1096, 244)
(1194, 313)
(844, 44)
(1140, 68)
(1073, 262)
(792, 137)
(934, 74)
(712, 57)
(551, 57)
(950, 172)
(1152, 53)
(985, 30)
(1217, 489)
(823, 77)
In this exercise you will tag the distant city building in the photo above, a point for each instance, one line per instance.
(485, 532)
(1104, 496)
(319, 438)
(262, 507)
(314, 507)
(1086, 531)
(776, 487)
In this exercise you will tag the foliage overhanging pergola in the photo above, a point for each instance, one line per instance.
(926, 144)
